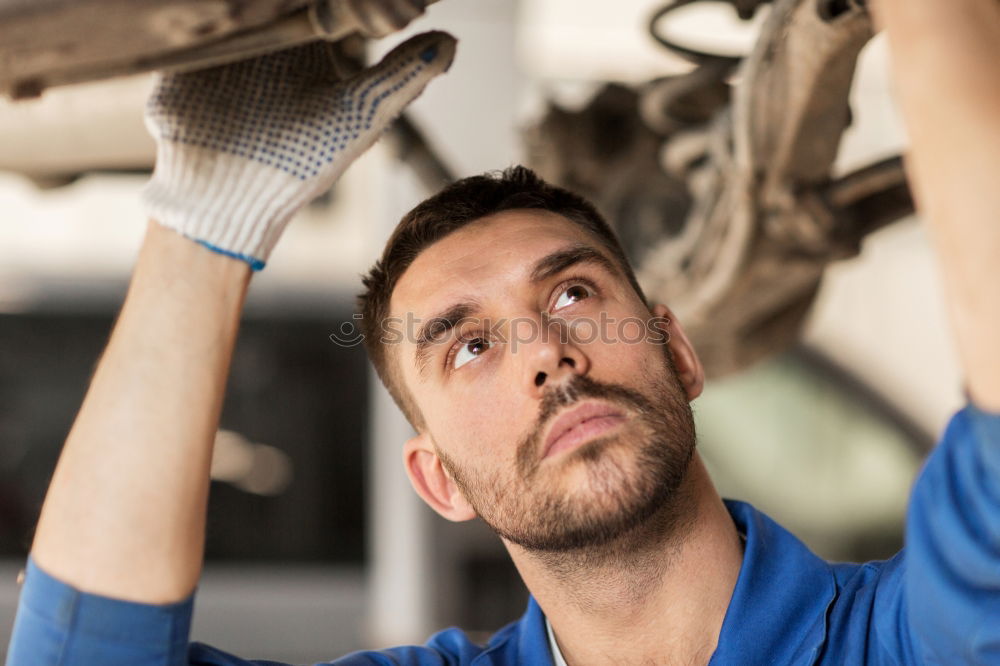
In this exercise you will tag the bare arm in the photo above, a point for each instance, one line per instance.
(946, 65)
(125, 512)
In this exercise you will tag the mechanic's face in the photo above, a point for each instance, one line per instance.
(550, 403)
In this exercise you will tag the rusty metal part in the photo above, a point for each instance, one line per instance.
(760, 236)
(372, 18)
(675, 102)
(606, 153)
(52, 42)
(53, 148)
(763, 228)
(750, 214)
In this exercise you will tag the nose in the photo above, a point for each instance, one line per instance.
(552, 358)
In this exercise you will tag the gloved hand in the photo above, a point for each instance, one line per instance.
(242, 147)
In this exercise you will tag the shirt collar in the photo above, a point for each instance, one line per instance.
(779, 607)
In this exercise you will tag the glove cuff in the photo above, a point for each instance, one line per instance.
(230, 204)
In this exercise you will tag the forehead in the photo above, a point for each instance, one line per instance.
(504, 245)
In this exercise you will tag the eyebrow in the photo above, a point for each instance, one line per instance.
(440, 325)
(558, 261)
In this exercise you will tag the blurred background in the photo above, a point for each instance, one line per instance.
(316, 545)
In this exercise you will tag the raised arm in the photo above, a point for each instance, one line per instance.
(946, 67)
(125, 513)
(940, 601)
(240, 149)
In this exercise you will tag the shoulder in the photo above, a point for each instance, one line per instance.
(868, 618)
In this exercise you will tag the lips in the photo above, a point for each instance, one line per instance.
(580, 424)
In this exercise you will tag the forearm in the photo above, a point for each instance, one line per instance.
(124, 515)
(946, 65)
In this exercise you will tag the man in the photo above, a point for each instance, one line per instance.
(580, 454)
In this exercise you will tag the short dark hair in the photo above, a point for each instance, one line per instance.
(454, 207)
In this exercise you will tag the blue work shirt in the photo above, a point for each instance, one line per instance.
(936, 602)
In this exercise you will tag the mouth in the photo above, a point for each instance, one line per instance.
(580, 425)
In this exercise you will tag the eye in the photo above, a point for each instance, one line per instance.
(572, 294)
(469, 350)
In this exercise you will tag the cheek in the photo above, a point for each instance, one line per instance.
(486, 416)
(485, 427)
(641, 366)
(624, 358)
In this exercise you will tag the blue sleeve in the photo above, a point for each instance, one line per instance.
(59, 625)
(952, 577)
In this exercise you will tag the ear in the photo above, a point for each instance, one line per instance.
(432, 482)
(689, 368)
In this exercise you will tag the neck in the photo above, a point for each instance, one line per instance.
(658, 594)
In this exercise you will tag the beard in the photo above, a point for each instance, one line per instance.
(628, 477)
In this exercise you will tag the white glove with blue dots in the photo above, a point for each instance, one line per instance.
(242, 147)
